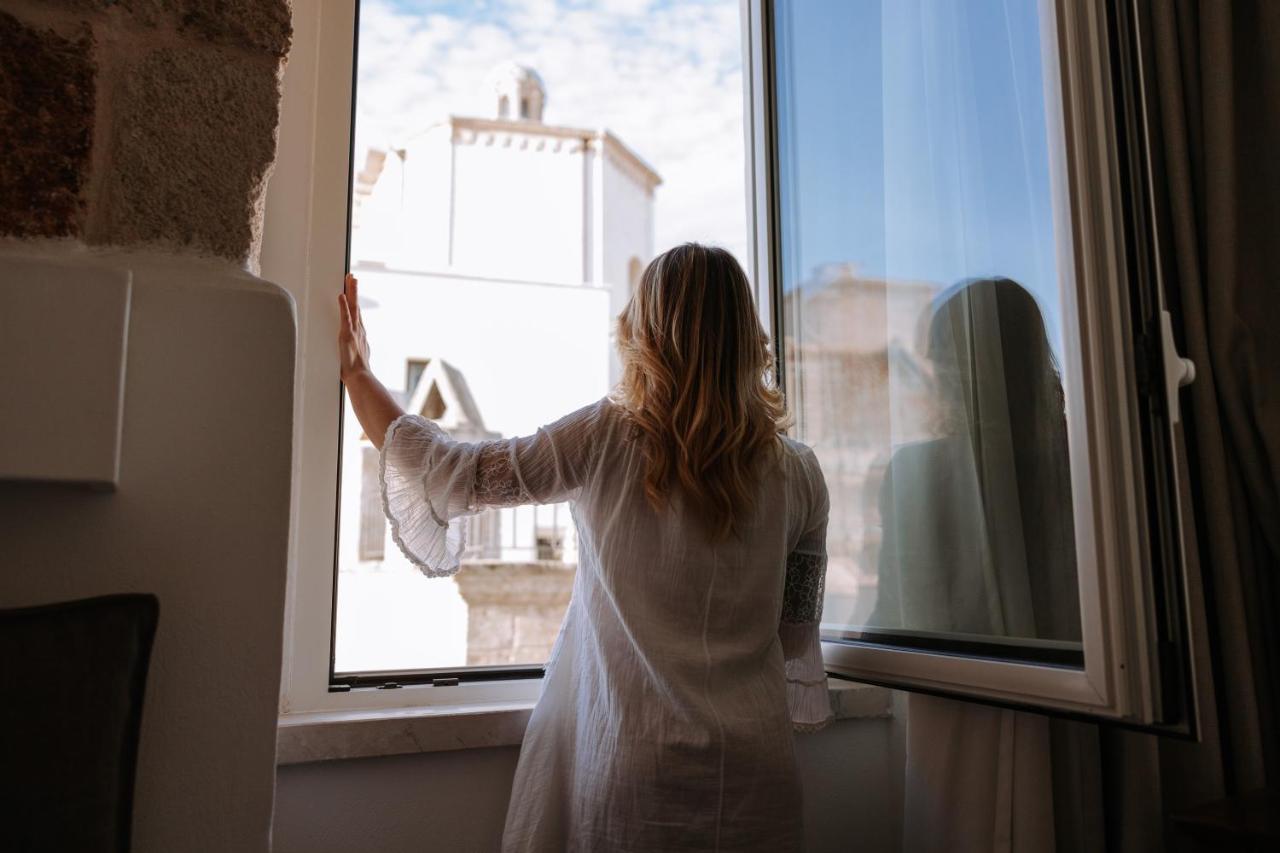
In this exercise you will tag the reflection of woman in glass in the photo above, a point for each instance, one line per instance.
(978, 541)
(978, 536)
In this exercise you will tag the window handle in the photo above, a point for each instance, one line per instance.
(1178, 371)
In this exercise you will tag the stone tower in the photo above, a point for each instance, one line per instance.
(518, 92)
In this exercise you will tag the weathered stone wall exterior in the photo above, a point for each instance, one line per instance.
(140, 122)
(514, 610)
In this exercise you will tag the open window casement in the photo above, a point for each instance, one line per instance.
(949, 203)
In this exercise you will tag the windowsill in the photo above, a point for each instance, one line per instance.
(365, 733)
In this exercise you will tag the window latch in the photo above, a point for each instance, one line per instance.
(1178, 371)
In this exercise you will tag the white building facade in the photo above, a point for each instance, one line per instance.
(494, 255)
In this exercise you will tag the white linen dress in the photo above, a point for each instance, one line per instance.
(666, 715)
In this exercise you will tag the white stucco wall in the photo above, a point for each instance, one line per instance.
(378, 235)
(518, 206)
(628, 228)
(424, 221)
(497, 200)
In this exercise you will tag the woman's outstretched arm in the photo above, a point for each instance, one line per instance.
(373, 404)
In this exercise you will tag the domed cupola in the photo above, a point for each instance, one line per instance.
(518, 92)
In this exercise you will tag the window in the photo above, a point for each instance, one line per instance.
(956, 346)
(940, 225)
(923, 323)
(500, 216)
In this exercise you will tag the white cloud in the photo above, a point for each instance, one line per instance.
(664, 76)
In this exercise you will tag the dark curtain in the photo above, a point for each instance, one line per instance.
(1213, 95)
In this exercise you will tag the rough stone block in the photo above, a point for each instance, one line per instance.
(193, 139)
(261, 24)
(539, 628)
(46, 129)
(489, 628)
(488, 658)
(148, 8)
(265, 25)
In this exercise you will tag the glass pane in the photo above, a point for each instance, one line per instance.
(923, 319)
(516, 165)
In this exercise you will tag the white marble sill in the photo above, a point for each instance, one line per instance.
(332, 735)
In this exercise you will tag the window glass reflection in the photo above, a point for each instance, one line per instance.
(922, 324)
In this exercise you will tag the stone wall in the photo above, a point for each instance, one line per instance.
(514, 610)
(140, 122)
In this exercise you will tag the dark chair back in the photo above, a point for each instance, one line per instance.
(72, 679)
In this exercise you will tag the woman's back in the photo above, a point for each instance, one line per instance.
(690, 646)
(664, 719)
(674, 589)
(685, 658)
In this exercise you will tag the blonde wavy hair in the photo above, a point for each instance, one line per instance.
(696, 379)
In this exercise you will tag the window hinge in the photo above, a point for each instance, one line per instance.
(444, 682)
(339, 688)
(389, 685)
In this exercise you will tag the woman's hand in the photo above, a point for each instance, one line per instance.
(375, 408)
(353, 345)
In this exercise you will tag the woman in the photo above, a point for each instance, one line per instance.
(978, 541)
(690, 647)
(978, 537)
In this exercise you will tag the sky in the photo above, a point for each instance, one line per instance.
(664, 75)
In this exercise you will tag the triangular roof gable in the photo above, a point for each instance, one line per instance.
(441, 382)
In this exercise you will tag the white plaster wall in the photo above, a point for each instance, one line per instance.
(628, 229)
(379, 236)
(518, 211)
(457, 801)
(200, 518)
(424, 224)
(627, 232)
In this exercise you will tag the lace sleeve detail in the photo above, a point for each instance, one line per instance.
(806, 581)
(497, 480)
(808, 699)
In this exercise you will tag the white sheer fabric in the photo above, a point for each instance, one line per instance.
(683, 665)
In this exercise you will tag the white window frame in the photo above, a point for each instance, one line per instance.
(1120, 677)
(304, 250)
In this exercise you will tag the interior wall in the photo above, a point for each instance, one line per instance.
(199, 517)
(137, 135)
(457, 801)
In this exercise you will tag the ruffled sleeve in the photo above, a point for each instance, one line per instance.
(429, 481)
(808, 698)
(426, 487)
